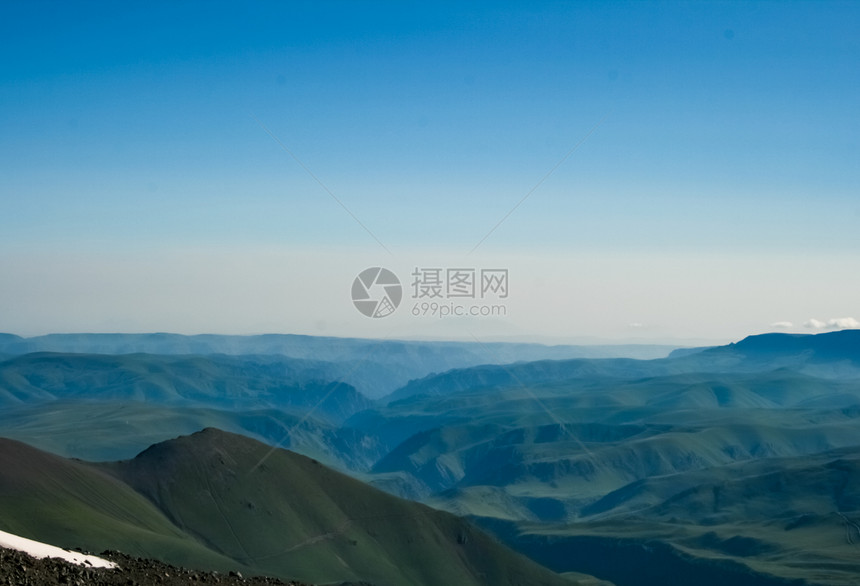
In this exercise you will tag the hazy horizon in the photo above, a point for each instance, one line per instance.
(467, 337)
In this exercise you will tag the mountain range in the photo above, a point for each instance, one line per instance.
(733, 463)
(374, 367)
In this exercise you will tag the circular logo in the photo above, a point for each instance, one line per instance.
(376, 292)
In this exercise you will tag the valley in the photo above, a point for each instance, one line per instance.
(735, 463)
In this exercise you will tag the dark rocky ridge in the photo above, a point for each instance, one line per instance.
(20, 569)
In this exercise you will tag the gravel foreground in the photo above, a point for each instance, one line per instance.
(20, 569)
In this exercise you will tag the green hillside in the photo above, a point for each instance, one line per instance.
(72, 504)
(577, 440)
(216, 500)
(775, 521)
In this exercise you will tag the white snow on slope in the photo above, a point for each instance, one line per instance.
(43, 550)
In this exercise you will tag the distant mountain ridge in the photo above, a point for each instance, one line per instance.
(303, 346)
(840, 345)
(374, 367)
(831, 354)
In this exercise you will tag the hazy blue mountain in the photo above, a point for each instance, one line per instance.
(9, 340)
(110, 407)
(830, 355)
(216, 381)
(117, 430)
(841, 345)
(679, 352)
(524, 374)
(374, 367)
(313, 347)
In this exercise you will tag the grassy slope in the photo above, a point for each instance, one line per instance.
(69, 504)
(218, 500)
(280, 512)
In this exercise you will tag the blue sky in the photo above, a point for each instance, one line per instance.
(716, 193)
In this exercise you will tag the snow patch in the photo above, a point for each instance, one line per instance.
(43, 550)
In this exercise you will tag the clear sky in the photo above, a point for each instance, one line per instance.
(661, 170)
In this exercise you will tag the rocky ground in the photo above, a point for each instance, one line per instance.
(19, 569)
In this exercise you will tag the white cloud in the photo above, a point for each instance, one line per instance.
(636, 324)
(843, 323)
(836, 323)
(782, 325)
